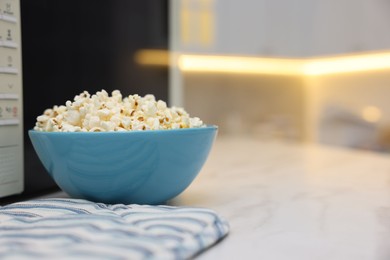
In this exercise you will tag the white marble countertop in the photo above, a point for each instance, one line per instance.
(296, 202)
(288, 201)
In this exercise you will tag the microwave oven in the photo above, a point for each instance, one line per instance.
(51, 51)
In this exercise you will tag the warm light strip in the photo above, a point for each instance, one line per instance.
(278, 66)
(152, 57)
(346, 64)
(233, 64)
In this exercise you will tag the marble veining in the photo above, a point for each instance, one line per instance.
(288, 201)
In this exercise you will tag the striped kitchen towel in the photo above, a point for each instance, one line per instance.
(79, 229)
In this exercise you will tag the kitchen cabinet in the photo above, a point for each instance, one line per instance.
(300, 28)
(284, 106)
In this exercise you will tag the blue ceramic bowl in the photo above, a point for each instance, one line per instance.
(142, 167)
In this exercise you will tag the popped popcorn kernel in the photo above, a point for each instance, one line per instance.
(101, 112)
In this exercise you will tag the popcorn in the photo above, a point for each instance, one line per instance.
(101, 112)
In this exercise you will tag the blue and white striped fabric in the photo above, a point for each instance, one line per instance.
(79, 229)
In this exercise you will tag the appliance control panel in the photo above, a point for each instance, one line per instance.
(11, 118)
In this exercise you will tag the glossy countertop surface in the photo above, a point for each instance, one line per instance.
(295, 201)
(292, 201)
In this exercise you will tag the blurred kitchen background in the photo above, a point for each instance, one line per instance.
(299, 71)
(303, 70)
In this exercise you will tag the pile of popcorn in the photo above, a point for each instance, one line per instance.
(101, 112)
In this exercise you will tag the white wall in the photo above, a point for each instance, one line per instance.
(335, 106)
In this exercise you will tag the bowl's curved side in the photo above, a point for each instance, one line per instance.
(148, 168)
(52, 150)
(41, 145)
(112, 170)
(181, 159)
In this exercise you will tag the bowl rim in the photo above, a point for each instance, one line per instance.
(159, 131)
